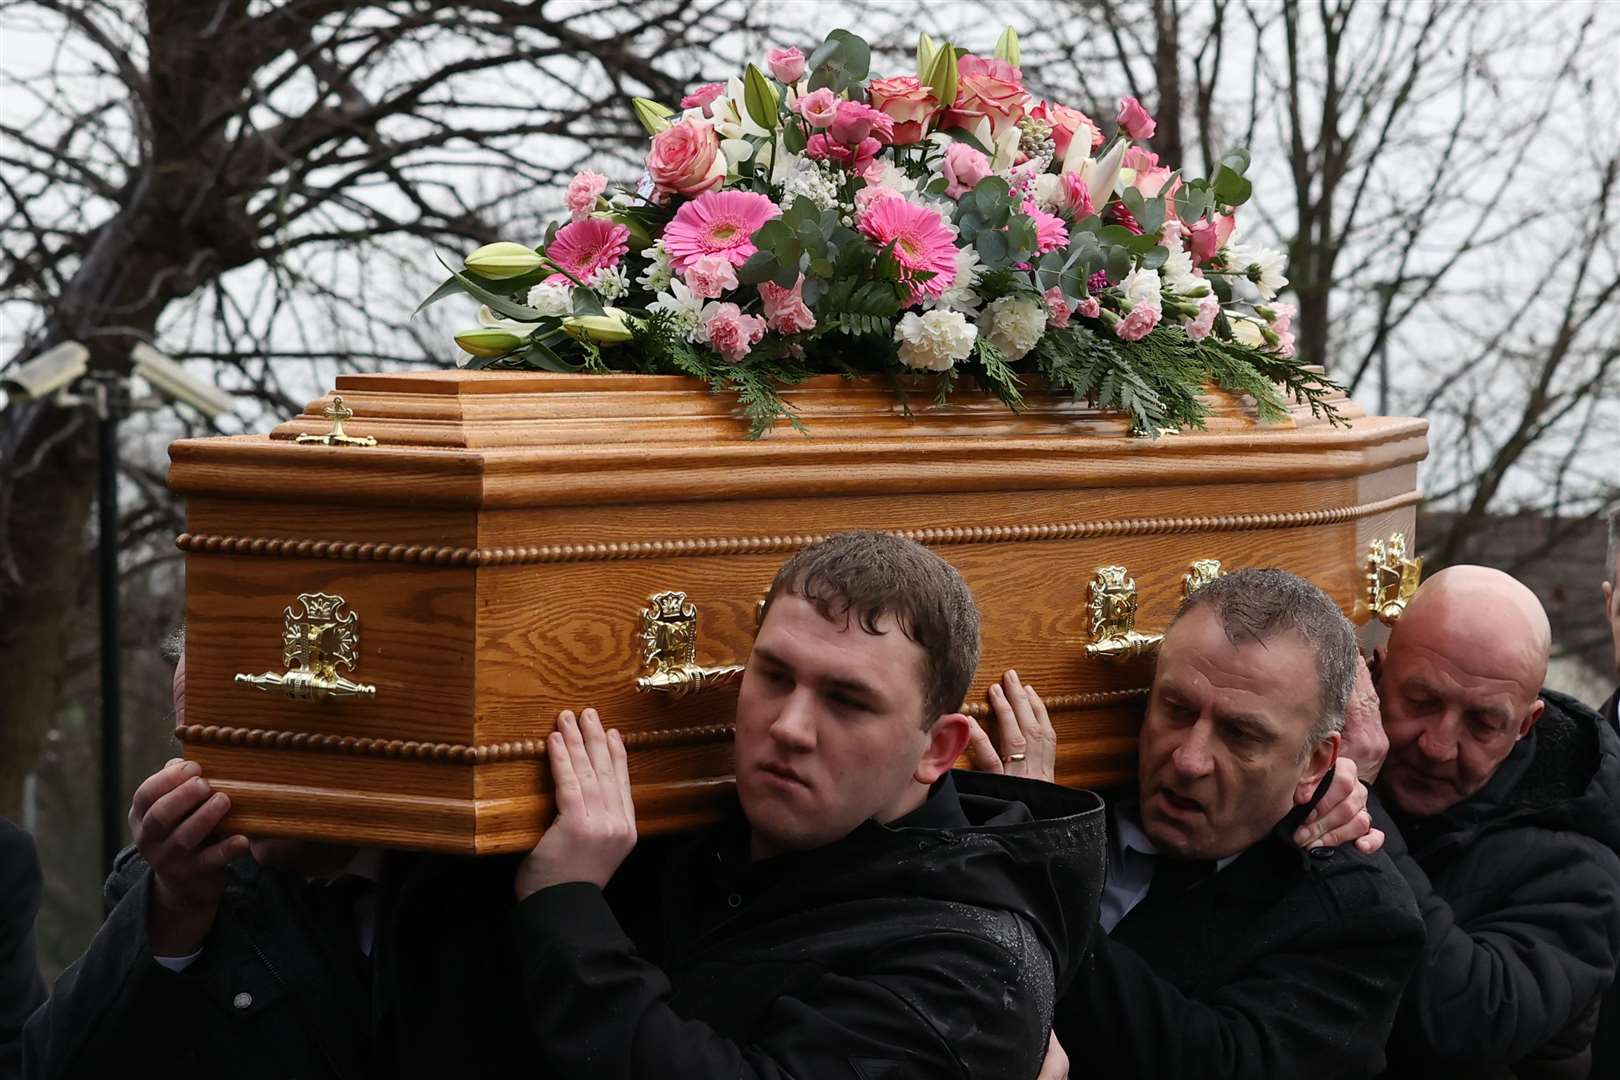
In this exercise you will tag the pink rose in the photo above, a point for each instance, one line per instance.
(1138, 322)
(703, 97)
(1057, 308)
(993, 89)
(818, 108)
(856, 122)
(1088, 308)
(1066, 122)
(709, 276)
(906, 101)
(964, 168)
(1199, 328)
(686, 158)
(787, 65)
(1205, 237)
(583, 191)
(857, 159)
(728, 331)
(1134, 120)
(785, 309)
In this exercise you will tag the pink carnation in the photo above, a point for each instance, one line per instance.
(1199, 328)
(586, 246)
(1282, 318)
(1285, 345)
(787, 65)
(1135, 121)
(583, 191)
(1050, 232)
(1088, 308)
(1057, 308)
(717, 223)
(703, 97)
(964, 167)
(1138, 322)
(819, 107)
(922, 243)
(728, 331)
(785, 309)
(709, 276)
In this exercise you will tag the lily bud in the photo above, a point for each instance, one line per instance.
(609, 329)
(488, 342)
(503, 259)
(653, 117)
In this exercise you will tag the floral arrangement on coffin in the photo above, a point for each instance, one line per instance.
(812, 221)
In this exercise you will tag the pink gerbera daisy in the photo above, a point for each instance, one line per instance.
(922, 242)
(583, 247)
(1050, 231)
(717, 223)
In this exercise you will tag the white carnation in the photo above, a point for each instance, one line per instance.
(1014, 324)
(934, 340)
(660, 270)
(683, 307)
(1261, 266)
(1141, 287)
(557, 300)
(959, 294)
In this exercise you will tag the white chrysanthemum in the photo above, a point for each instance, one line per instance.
(959, 294)
(890, 176)
(1262, 266)
(809, 179)
(1141, 287)
(1247, 332)
(610, 282)
(1177, 272)
(934, 340)
(552, 299)
(1013, 324)
(660, 270)
(683, 307)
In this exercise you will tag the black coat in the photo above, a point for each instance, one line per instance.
(21, 988)
(1285, 964)
(280, 989)
(1520, 891)
(930, 947)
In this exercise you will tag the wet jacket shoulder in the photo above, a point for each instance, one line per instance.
(931, 947)
(1520, 892)
(1284, 964)
(21, 988)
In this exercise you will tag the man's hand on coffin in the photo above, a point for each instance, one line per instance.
(1056, 1065)
(172, 818)
(1364, 740)
(595, 826)
(1341, 816)
(1025, 742)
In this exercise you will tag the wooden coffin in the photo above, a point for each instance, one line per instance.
(495, 552)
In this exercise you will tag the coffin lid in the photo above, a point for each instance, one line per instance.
(490, 440)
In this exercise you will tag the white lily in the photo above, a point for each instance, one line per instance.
(1099, 175)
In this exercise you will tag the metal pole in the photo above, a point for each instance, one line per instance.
(109, 406)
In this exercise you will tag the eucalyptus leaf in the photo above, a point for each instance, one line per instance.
(1155, 257)
(761, 266)
(1118, 262)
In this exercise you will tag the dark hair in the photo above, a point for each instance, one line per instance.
(871, 574)
(1256, 605)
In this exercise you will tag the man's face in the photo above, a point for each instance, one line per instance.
(828, 727)
(1221, 749)
(1452, 710)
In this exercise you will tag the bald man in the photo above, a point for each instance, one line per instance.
(1501, 806)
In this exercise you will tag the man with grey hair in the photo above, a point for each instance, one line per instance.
(1229, 948)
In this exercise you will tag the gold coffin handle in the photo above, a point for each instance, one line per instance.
(1392, 578)
(668, 641)
(1111, 604)
(317, 635)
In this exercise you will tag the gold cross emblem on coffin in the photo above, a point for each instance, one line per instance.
(337, 412)
(317, 637)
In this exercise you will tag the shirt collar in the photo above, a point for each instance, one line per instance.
(1128, 825)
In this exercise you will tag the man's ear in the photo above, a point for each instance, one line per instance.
(1531, 717)
(1317, 765)
(1608, 600)
(946, 740)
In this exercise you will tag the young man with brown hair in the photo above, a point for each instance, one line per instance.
(858, 915)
